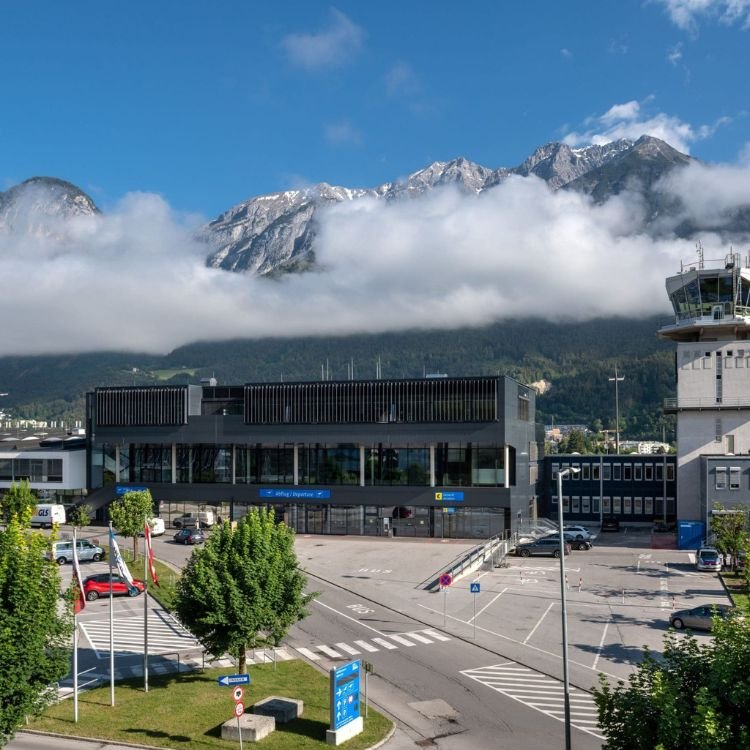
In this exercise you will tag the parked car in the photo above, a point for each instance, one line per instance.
(610, 524)
(571, 539)
(201, 520)
(579, 532)
(708, 558)
(62, 552)
(700, 618)
(546, 545)
(98, 585)
(189, 536)
(156, 525)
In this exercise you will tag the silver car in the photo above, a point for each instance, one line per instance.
(62, 552)
(700, 618)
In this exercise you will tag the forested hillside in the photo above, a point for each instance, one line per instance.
(575, 359)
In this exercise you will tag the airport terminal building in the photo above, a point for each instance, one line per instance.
(432, 457)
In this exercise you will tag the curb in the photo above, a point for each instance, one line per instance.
(77, 738)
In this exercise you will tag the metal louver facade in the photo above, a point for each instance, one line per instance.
(151, 406)
(437, 400)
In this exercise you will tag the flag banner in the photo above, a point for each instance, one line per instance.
(119, 562)
(152, 570)
(80, 601)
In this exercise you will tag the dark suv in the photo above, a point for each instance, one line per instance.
(547, 545)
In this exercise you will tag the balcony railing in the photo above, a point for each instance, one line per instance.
(677, 404)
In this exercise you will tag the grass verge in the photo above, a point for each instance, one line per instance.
(736, 585)
(187, 710)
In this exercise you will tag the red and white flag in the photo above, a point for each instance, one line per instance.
(80, 601)
(152, 570)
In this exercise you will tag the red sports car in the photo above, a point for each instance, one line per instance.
(98, 585)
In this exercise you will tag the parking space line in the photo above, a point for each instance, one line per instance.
(538, 623)
(601, 645)
(488, 605)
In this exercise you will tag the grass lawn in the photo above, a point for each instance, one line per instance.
(187, 710)
(737, 587)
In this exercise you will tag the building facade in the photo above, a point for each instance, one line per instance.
(711, 330)
(433, 457)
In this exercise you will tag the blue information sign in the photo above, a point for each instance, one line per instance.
(344, 694)
(234, 679)
(122, 489)
(296, 494)
(451, 497)
(474, 588)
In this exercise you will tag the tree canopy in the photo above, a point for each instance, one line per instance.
(18, 499)
(35, 626)
(128, 514)
(730, 531)
(243, 589)
(693, 696)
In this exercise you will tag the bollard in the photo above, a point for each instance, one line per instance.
(580, 585)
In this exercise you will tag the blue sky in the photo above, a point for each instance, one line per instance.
(207, 104)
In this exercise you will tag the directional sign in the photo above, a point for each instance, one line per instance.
(239, 709)
(295, 494)
(446, 580)
(237, 694)
(344, 690)
(474, 588)
(451, 497)
(234, 679)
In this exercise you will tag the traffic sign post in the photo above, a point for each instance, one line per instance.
(237, 694)
(234, 681)
(228, 680)
(474, 588)
(445, 580)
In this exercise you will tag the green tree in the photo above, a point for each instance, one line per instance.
(79, 516)
(694, 696)
(129, 512)
(243, 589)
(730, 531)
(17, 500)
(34, 627)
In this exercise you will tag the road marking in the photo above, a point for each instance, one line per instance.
(400, 640)
(385, 644)
(601, 645)
(418, 637)
(309, 654)
(436, 636)
(366, 646)
(348, 649)
(348, 617)
(328, 651)
(538, 623)
(492, 601)
(540, 692)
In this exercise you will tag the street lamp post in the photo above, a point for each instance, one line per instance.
(566, 685)
(617, 380)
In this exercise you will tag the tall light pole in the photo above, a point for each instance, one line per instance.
(617, 380)
(563, 598)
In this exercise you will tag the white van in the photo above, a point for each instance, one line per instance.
(47, 514)
(203, 519)
(157, 526)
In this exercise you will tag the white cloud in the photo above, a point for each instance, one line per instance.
(343, 132)
(674, 55)
(400, 79)
(566, 53)
(332, 47)
(629, 120)
(686, 13)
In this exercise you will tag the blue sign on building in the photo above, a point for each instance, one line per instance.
(344, 688)
(122, 489)
(295, 494)
(454, 497)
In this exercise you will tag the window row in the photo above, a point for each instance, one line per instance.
(455, 464)
(625, 472)
(31, 469)
(637, 506)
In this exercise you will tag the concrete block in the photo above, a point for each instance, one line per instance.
(281, 708)
(339, 736)
(254, 727)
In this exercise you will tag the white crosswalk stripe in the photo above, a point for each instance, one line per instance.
(165, 634)
(540, 692)
(389, 643)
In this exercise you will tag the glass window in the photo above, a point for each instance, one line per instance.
(649, 472)
(659, 472)
(453, 465)
(575, 475)
(566, 504)
(734, 477)
(586, 471)
(149, 462)
(637, 472)
(638, 506)
(53, 469)
(487, 466)
(585, 505)
(627, 472)
(595, 472)
(6, 470)
(670, 472)
(203, 463)
(607, 469)
(627, 505)
(386, 464)
(576, 505)
(617, 505)
(606, 505)
(329, 464)
(721, 477)
(617, 472)
(649, 509)
(595, 501)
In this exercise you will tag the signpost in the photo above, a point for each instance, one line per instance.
(474, 588)
(234, 679)
(445, 580)
(345, 717)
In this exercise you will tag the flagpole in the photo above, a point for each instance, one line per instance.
(145, 603)
(75, 636)
(111, 623)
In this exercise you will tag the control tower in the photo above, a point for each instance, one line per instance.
(711, 301)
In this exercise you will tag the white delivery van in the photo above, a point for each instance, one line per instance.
(203, 519)
(157, 526)
(47, 514)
